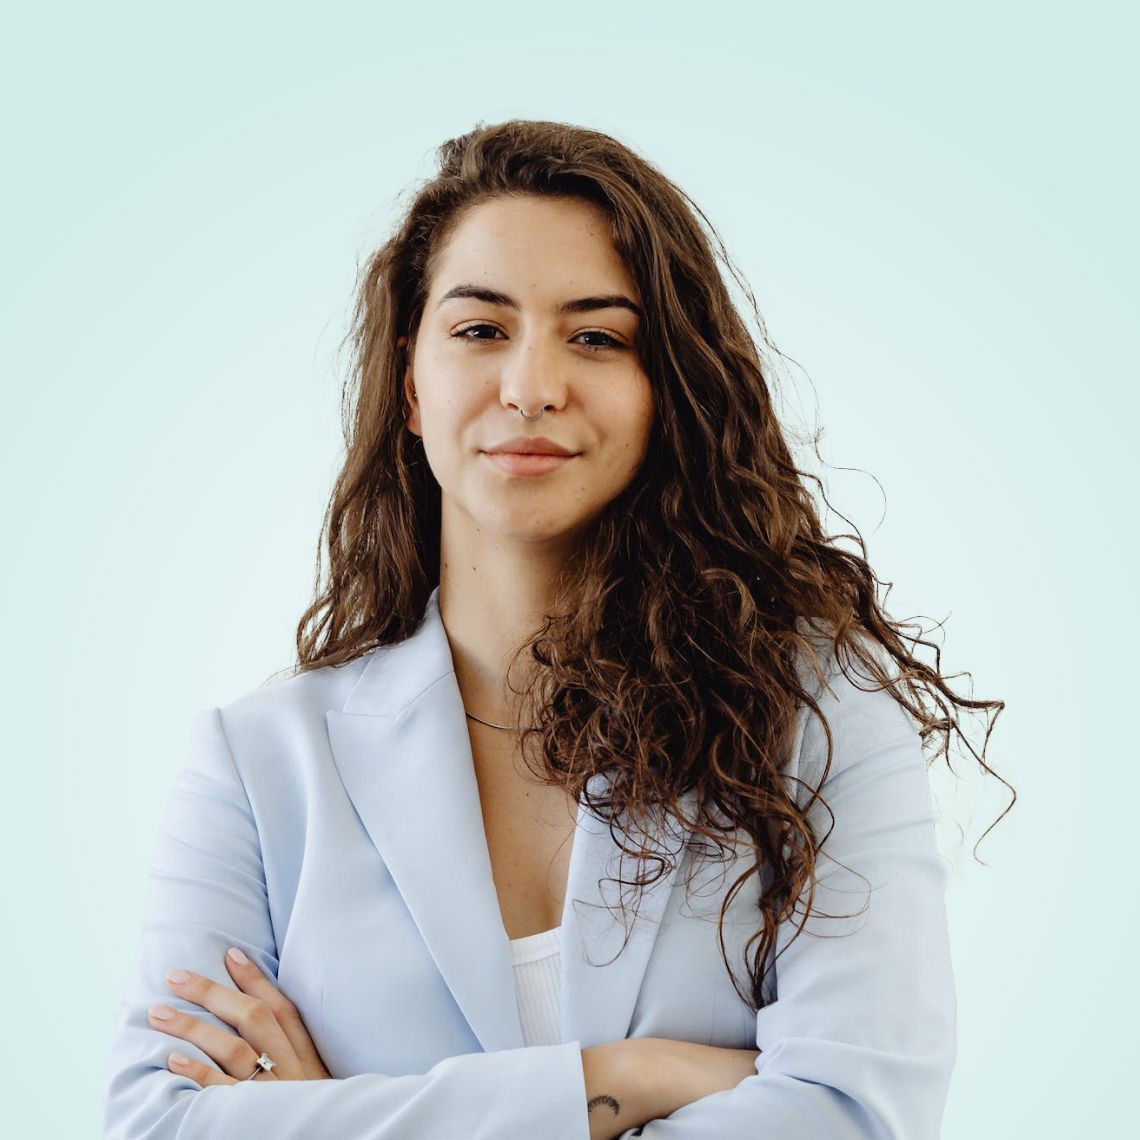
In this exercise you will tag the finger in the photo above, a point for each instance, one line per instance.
(197, 1071)
(250, 1016)
(234, 1056)
(252, 981)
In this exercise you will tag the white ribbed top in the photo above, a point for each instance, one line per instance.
(537, 961)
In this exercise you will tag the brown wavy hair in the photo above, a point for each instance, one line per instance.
(669, 658)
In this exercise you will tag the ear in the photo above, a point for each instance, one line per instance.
(411, 401)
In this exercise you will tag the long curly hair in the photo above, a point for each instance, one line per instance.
(669, 658)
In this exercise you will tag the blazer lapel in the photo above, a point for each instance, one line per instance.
(600, 980)
(401, 747)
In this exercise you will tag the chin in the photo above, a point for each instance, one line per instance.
(520, 527)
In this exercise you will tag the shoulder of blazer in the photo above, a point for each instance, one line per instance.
(290, 716)
(859, 713)
(289, 713)
(327, 687)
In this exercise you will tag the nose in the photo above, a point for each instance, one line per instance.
(532, 379)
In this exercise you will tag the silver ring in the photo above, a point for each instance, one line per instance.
(264, 1064)
(531, 418)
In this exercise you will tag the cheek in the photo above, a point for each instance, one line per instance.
(637, 421)
(624, 452)
(445, 419)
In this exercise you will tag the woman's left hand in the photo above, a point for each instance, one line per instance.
(265, 1019)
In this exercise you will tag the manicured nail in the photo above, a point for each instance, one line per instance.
(178, 976)
(237, 956)
(178, 1059)
(162, 1012)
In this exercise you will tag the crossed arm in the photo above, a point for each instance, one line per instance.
(860, 1042)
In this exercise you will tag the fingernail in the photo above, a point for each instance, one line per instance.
(178, 1059)
(162, 1012)
(178, 976)
(237, 956)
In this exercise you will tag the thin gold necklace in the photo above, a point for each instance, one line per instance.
(505, 727)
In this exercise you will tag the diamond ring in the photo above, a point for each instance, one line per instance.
(264, 1064)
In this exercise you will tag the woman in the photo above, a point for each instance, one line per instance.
(581, 628)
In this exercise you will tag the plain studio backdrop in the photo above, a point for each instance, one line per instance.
(936, 211)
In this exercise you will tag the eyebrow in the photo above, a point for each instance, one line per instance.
(580, 305)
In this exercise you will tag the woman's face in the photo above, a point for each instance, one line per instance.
(547, 329)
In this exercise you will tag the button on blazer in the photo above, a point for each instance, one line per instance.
(329, 825)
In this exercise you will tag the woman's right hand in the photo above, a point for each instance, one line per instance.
(639, 1079)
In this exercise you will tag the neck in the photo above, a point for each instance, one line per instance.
(492, 600)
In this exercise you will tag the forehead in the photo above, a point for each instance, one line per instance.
(537, 246)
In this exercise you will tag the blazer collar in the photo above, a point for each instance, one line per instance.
(401, 746)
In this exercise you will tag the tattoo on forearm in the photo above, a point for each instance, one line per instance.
(604, 1099)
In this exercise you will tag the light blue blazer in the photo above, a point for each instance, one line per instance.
(329, 824)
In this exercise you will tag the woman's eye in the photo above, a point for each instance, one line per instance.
(611, 342)
(461, 334)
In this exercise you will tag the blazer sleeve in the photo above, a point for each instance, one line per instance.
(861, 1040)
(206, 892)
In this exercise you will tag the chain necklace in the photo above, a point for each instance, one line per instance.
(505, 727)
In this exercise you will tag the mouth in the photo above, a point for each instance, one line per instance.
(531, 445)
(527, 463)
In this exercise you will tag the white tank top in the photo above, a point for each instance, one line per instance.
(537, 963)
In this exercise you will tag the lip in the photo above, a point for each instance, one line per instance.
(529, 445)
(521, 463)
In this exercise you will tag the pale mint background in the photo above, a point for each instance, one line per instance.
(935, 207)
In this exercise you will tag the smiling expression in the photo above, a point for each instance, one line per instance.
(530, 308)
